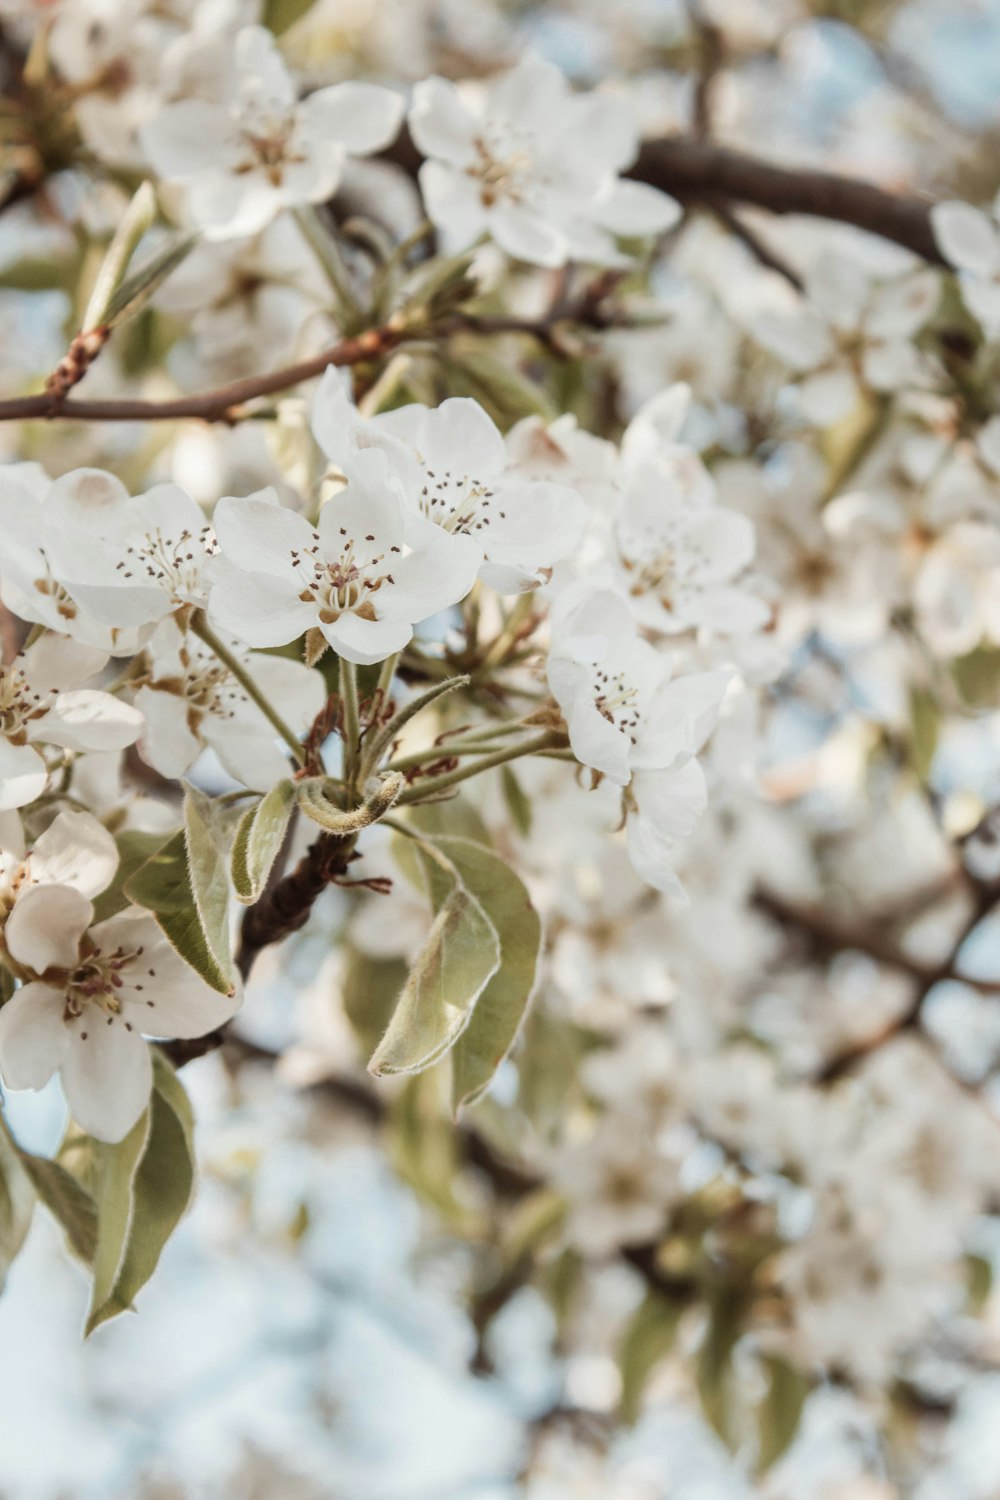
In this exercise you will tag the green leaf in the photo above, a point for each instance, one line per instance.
(68, 1202)
(715, 1359)
(259, 837)
(461, 955)
(518, 803)
(370, 988)
(925, 724)
(134, 293)
(133, 224)
(144, 1186)
(780, 1412)
(184, 885)
(498, 1013)
(315, 802)
(279, 15)
(649, 1336)
(135, 846)
(977, 675)
(17, 1203)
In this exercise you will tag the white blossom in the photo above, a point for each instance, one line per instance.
(363, 576)
(189, 699)
(534, 166)
(452, 467)
(89, 993)
(629, 719)
(258, 148)
(42, 702)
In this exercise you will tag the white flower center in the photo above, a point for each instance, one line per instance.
(617, 701)
(93, 989)
(506, 167)
(266, 140)
(173, 563)
(20, 704)
(346, 583)
(458, 503)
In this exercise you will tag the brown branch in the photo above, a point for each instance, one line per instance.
(698, 171)
(825, 936)
(226, 402)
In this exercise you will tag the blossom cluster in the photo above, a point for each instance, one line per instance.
(559, 630)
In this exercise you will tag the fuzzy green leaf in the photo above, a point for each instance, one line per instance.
(780, 1412)
(461, 955)
(17, 1202)
(144, 1186)
(498, 1013)
(184, 885)
(259, 837)
(68, 1201)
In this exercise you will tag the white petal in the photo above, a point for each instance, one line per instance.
(452, 201)
(635, 209)
(441, 122)
(87, 498)
(186, 138)
(460, 436)
(527, 237)
(361, 117)
(56, 661)
(167, 743)
(107, 1074)
(966, 237)
(75, 850)
(86, 719)
(32, 1036)
(259, 609)
(366, 642)
(259, 534)
(45, 927)
(160, 994)
(22, 775)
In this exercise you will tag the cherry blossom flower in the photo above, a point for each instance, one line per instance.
(675, 550)
(88, 996)
(628, 718)
(452, 466)
(41, 703)
(129, 562)
(363, 576)
(190, 699)
(259, 149)
(39, 525)
(75, 850)
(534, 166)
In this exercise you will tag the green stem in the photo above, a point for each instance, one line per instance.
(326, 250)
(204, 631)
(387, 673)
(352, 718)
(549, 740)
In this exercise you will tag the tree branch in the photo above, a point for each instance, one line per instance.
(695, 170)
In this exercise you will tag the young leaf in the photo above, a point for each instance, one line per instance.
(259, 837)
(494, 1023)
(648, 1337)
(133, 294)
(17, 1202)
(68, 1202)
(461, 955)
(135, 846)
(517, 800)
(780, 1412)
(133, 225)
(145, 1185)
(164, 885)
